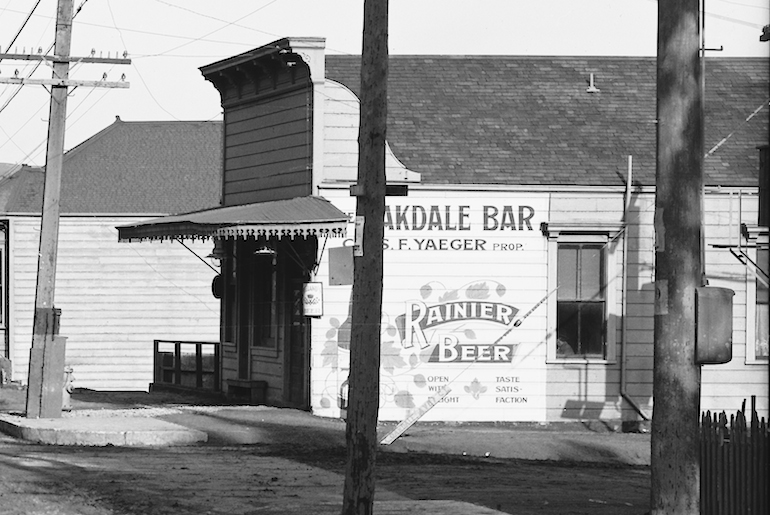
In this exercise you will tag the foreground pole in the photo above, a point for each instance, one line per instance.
(364, 380)
(678, 269)
(46, 360)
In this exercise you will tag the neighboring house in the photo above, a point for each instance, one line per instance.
(114, 299)
(530, 199)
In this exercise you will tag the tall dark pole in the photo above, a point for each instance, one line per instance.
(679, 183)
(364, 380)
(46, 364)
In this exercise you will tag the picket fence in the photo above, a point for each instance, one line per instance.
(734, 462)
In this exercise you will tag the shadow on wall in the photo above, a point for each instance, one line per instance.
(591, 391)
(582, 409)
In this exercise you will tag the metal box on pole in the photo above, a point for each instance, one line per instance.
(714, 325)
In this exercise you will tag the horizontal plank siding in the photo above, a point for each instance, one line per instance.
(341, 119)
(116, 299)
(264, 195)
(268, 148)
(567, 391)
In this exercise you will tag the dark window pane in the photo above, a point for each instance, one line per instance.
(567, 328)
(592, 328)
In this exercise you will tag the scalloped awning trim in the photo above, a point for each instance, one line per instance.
(299, 217)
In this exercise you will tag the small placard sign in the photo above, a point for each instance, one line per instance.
(358, 242)
(313, 300)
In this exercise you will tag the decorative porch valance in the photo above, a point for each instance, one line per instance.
(297, 217)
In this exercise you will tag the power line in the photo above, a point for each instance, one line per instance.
(18, 89)
(735, 20)
(24, 24)
(37, 65)
(228, 24)
(744, 5)
(217, 19)
(150, 33)
(136, 69)
(748, 118)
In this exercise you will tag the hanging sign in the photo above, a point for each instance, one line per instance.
(313, 300)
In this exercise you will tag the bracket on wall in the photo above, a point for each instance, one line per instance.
(391, 190)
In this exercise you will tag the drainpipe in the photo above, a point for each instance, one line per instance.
(624, 314)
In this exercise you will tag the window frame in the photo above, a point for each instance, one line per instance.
(609, 235)
(756, 236)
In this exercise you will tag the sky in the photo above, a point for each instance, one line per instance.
(168, 40)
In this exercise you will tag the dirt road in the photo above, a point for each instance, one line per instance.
(296, 470)
(255, 479)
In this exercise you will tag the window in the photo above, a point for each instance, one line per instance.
(580, 308)
(583, 271)
(758, 319)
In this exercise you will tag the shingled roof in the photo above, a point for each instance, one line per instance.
(530, 120)
(131, 168)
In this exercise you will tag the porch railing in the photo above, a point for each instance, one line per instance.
(734, 462)
(187, 364)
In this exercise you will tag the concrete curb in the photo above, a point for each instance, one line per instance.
(101, 431)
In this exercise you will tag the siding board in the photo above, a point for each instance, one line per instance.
(268, 147)
(116, 298)
(288, 158)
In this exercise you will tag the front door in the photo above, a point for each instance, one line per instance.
(298, 355)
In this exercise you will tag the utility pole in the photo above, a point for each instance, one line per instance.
(675, 463)
(46, 362)
(366, 311)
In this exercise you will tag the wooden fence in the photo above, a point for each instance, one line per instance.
(734, 461)
(186, 364)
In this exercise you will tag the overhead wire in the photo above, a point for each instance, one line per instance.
(213, 31)
(114, 26)
(730, 135)
(19, 88)
(24, 24)
(138, 73)
(219, 19)
(744, 4)
(13, 40)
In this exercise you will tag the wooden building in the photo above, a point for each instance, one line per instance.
(519, 270)
(115, 299)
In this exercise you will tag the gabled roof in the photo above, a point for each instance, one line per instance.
(131, 168)
(530, 120)
(21, 188)
(8, 169)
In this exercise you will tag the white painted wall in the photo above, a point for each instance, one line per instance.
(412, 273)
(116, 298)
(550, 387)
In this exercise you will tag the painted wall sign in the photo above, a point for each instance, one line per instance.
(433, 225)
(459, 272)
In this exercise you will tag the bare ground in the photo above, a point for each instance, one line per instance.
(299, 471)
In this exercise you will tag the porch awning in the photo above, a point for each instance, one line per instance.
(297, 217)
